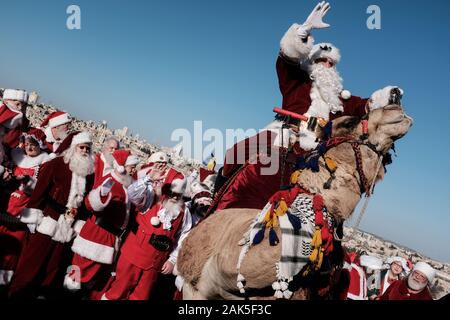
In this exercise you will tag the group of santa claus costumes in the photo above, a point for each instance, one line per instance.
(71, 219)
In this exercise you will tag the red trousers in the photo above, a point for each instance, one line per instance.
(131, 282)
(88, 268)
(41, 264)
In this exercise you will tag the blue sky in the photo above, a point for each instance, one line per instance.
(155, 66)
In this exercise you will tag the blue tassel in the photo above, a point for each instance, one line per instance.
(273, 238)
(301, 163)
(328, 130)
(259, 236)
(295, 221)
(313, 163)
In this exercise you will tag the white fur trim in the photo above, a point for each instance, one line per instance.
(77, 189)
(71, 284)
(78, 225)
(292, 44)
(380, 98)
(15, 94)
(5, 277)
(64, 232)
(345, 94)
(2, 169)
(49, 135)
(158, 157)
(59, 120)
(21, 160)
(96, 201)
(317, 52)
(93, 251)
(82, 137)
(31, 215)
(426, 269)
(48, 226)
(178, 185)
(13, 122)
(307, 139)
(132, 160)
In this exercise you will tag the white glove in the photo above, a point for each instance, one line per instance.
(106, 187)
(314, 21)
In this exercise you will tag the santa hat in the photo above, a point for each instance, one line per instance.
(158, 157)
(426, 269)
(37, 135)
(56, 119)
(325, 50)
(15, 94)
(132, 160)
(82, 137)
(199, 190)
(391, 260)
(371, 262)
(178, 185)
(120, 159)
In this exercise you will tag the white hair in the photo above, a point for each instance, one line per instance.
(79, 164)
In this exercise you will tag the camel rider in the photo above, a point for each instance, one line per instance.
(310, 85)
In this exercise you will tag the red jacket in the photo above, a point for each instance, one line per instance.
(137, 248)
(295, 86)
(399, 291)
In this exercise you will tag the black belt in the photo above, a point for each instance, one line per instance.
(59, 208)
(104, 224)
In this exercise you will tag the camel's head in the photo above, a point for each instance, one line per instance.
(386, 125)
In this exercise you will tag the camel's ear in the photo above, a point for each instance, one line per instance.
(345, 125)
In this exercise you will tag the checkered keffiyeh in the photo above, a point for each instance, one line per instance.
(295, 244)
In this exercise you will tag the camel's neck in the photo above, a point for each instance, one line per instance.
(344, 193)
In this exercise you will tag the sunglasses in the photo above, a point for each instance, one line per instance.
(84, 148)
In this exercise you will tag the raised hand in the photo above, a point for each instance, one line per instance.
(315, 19)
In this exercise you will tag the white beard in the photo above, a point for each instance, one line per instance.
(78, 164)
(172, 208)
(325, 92)
(125, 179)
(415, 285)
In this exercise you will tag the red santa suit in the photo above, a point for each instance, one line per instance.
(399, 291)
(250, 186)
(14, 121)
(58, 190)
(54, 120)
(98, 241)
(29, 167)
(102, 167)
(148, 245)
(357, 287)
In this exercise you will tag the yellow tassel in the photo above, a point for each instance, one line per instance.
(331, 165)
(317, 238)
(282, 208)
(314, 255)
(319, 263)
(295, 176)
(322, 122)
(211, 164)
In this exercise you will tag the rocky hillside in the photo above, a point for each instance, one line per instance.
(37, 113)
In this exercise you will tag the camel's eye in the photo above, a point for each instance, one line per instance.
(393, 107)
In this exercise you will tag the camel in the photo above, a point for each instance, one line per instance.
(209, 255)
